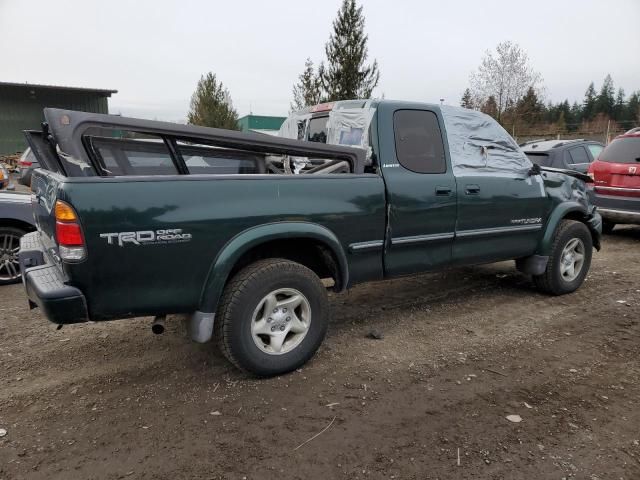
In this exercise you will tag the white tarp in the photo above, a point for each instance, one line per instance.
(478, 143)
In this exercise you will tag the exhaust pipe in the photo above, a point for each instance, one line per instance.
(157, 326)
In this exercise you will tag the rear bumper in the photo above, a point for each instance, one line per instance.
(45, 285)
(618, 209)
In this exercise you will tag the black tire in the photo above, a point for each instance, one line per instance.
(607, 227)
(552, 281)
(243, 295)
(7, 267)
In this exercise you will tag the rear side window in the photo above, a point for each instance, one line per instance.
(419, 146)
(578, 155)
(205, 159)
(595, 150)
(622, 150)
(131, 153)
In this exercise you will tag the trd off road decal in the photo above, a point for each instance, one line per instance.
(147, 237)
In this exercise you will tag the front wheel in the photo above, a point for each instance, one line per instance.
(272, 318)
(569, 261)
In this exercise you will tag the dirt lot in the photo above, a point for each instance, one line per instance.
(461, 351)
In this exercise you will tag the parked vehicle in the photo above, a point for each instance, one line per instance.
(145, 218)
(16, 219)
(26, 165)
(566, 154)
(616, 176)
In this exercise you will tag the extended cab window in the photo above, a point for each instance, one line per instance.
(419, 145)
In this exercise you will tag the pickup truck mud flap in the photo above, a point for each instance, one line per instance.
(200, 326)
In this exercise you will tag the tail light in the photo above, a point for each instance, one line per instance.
(68, 232)
(25, 163)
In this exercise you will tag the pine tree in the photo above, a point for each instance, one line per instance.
(576, 115)
(618, 108)
(605, 100)
(346, 76)
(589, 103)
(529, 108)
(632, 111)
(211, 105)
(307, 91)
(490, 107)
(467, 99)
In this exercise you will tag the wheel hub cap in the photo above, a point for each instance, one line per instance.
(572, 259)
(281, 321)
(9, 265)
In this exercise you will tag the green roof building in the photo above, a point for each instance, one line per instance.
(261, 124)
(21, 106)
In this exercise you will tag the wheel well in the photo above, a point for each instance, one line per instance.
(311, 253)
(581, 217)
(12, 222)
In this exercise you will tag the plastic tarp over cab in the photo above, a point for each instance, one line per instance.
(478, 143)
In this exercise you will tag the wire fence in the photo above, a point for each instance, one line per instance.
(599, 131)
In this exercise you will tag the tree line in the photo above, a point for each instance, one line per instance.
(506, 87)
(344, 74)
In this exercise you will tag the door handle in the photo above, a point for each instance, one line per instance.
(472, 189)
(446, 191)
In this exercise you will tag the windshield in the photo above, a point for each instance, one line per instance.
(622, 150)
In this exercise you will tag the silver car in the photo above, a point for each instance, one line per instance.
(16, 219)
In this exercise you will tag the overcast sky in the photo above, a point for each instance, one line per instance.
(153, 52)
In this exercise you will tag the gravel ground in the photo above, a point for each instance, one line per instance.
(460, 352)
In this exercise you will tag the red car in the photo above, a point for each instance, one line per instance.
(616, 175)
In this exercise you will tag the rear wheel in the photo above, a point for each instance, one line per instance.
(272, 318)
(9, 247)
(569, 261)
(607, 226)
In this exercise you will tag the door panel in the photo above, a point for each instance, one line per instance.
(499, 216)
(421, 192)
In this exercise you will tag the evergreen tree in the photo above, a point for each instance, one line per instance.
(467, 99)
(576, 116)
(618, 108)
(490, 107)
(211, 105)
(632, 111)
(589, 103)
(565, 110)
(605, 100)
(346, 76)
(307, 91)
(529, 108)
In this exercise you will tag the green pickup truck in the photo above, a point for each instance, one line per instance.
(144, 218)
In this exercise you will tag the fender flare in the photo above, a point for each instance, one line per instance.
(558, 214)
(226, 259)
